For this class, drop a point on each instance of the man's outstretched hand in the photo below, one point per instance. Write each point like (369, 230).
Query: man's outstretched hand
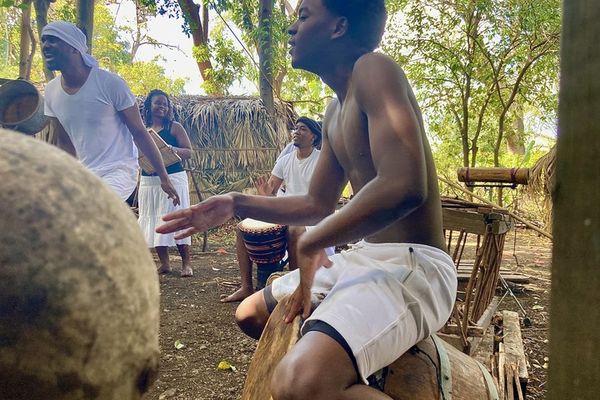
(200, 217)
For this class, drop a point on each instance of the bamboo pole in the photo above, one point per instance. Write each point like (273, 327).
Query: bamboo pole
(515, 216)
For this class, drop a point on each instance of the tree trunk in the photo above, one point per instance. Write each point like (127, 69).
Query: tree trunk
(265, 55)
(199, 31)
(85, 20)
(41, 18)
(25, 53)
(575, 295)
(516, 134)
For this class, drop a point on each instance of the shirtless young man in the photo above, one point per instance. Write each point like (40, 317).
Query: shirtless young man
(398, 285)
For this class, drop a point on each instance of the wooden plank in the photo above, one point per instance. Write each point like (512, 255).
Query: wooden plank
(485, 351)
(513, 344)
(463, 275)
(518, 390)
(484, 322)
(510, 379)
(458, 220)
(501, 379)
(472, 331)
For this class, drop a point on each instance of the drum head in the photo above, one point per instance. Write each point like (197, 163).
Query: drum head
(254, 225)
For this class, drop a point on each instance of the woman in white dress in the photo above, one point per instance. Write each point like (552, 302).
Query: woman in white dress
(153, 203)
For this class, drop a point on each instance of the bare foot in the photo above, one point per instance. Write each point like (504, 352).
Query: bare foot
(187, 272)
(163, 270)
(238, 295)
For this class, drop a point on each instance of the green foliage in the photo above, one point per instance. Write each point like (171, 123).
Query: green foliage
(63, 10)
(13, 3)
(107, 45)
(471, 62)
(145, 76)
(233, 62)
(9, 42)
(109, 48)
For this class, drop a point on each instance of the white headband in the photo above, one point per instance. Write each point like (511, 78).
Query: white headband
(73, 36)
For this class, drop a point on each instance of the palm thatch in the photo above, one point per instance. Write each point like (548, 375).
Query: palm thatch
(233, 138)
(542, 181)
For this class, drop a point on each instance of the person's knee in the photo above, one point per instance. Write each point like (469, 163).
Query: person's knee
(293, 378)
(251, 317)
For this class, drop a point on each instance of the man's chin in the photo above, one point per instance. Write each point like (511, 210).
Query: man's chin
(299, 64)
(51, 66)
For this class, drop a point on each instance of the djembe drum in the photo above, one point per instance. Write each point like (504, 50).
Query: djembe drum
(266, 244)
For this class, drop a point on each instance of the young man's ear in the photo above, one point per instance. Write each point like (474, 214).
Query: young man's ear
(341, 27)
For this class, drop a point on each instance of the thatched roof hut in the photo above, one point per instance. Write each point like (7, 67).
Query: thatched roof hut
(542, 182)
(233, 138)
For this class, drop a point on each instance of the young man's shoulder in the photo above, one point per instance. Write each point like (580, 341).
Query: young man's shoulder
(374, 63)
(376, 74)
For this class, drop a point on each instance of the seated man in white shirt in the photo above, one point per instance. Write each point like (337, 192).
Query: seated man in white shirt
(293, 170)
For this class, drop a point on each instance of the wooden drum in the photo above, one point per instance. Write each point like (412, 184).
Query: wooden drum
(265, 242)
(433, 367)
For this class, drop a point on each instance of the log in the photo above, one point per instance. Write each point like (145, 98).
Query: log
(513, 346)
(498, 175)
(412, 376)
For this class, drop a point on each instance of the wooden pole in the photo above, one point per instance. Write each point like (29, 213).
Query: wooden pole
(575, 294)
(515, 216)
(199, 193)
(500, 175)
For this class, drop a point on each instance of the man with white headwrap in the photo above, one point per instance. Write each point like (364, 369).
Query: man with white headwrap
(95, 114)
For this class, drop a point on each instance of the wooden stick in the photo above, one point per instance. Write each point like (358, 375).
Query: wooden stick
(519, 391)
(515, 216)
(204, 234)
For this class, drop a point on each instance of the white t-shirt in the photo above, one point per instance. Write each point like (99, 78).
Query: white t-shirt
(296, 173)
(90, 117)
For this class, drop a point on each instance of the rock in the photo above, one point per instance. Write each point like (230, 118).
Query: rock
(79, 298)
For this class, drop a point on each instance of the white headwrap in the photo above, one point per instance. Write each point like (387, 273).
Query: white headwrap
(73, 36)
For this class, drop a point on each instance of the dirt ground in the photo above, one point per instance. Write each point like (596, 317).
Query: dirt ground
(197, 332)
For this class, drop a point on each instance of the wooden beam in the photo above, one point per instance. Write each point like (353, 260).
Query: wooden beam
(575, 293)
(513, 344)
(515, 216)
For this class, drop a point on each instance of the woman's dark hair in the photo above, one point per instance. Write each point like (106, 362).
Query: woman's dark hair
(148, 107)
(366, 19)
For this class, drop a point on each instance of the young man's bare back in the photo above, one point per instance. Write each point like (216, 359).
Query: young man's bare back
(396, 285)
